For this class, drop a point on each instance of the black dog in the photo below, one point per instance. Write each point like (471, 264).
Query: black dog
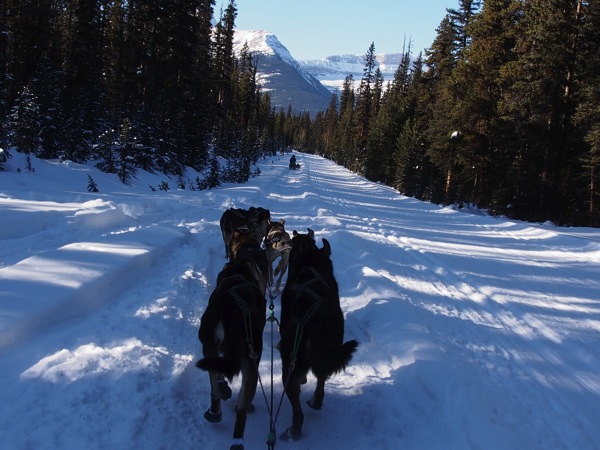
(253, 220)
(232, 326)
(312, 325)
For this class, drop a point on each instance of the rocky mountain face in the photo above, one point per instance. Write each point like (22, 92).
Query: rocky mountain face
(306, 85)
(281, 75)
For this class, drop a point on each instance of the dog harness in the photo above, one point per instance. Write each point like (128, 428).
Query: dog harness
(246, 311)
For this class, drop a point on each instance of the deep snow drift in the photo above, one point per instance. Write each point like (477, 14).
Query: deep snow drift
(475, 332)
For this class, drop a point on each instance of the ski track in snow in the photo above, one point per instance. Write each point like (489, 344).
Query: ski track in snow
(451, 354)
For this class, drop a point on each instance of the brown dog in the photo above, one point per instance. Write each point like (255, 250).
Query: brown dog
(278, 243)
(244, 246)
(254, 220)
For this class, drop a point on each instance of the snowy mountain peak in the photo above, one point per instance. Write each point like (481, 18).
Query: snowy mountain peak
(261, 42)
(280, 73)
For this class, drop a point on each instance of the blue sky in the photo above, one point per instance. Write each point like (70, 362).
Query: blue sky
(318, 28)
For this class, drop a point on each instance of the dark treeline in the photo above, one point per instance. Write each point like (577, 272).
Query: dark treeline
(503, 111)
(131, 84)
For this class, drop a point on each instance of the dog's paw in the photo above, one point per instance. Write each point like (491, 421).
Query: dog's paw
(213, 417)
(225, 390)
(249, 410)
(314, 405)
(289, 435)
(237, 444)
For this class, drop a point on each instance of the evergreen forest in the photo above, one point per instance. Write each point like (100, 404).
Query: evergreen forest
(502, 112)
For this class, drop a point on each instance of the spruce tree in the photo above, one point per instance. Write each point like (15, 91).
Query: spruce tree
(443, 121)
(3, 158)
(331, 120)
(83, 64)
(365, 106)
(223, 71)
(461, 18)
(199, 114)
(587, 116)
(91, 186)
(485, 156)
(344, 152)
(23, 126)
(540, 103)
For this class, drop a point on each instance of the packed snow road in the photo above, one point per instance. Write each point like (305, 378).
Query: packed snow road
(475, 332)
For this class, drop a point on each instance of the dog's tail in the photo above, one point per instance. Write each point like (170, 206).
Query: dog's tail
(219, 364)
(335, 360)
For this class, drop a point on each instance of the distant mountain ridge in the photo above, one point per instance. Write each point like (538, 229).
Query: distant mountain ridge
(332, 70)
(306, 85)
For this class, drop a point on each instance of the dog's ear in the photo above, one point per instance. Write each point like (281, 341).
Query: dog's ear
(281, 221)
(295, 233)
(311, 233)
(326, 247)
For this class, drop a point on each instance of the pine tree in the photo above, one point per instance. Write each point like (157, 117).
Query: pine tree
(47, 86)
(484, 158)
(213, 178)
(388, 123)
(587, 116)
(406, 98)
(344, 152)
(4, 156)
(199, 116)
(223, 57)
(4, 79)
(461, 19)
(330, 125)
(540, 103)
(117, 152)
(84, 37)
(23, 125)
(27, 25)
(443, 121)
(223, 71)
(365, 106)
(406, 160)
(118, 66)
(91, 186)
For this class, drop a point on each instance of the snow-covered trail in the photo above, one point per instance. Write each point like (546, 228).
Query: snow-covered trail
(475, 332)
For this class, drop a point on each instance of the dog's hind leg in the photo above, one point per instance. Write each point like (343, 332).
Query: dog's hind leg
(292, 391)
(316, 402)
(270, 262)
(244, 405)
(281, 269)
(214, 414)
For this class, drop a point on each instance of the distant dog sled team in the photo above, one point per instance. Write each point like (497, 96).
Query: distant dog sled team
(311, 327)
(293, 164)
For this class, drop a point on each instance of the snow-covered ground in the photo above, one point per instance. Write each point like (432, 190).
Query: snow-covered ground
(475, 332)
